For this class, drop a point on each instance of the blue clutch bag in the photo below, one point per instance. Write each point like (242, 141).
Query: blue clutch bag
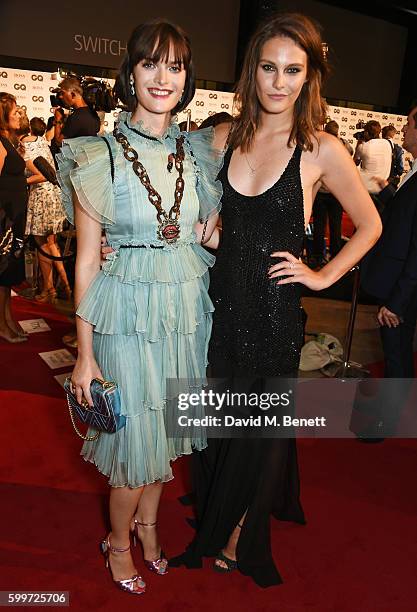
(105, 413)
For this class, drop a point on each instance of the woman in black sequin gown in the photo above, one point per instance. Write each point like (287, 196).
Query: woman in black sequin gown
(13, 203)
(257, 327)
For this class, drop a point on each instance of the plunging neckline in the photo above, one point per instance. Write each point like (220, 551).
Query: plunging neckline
(263, 193)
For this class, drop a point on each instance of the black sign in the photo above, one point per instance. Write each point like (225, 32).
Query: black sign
(95, 33)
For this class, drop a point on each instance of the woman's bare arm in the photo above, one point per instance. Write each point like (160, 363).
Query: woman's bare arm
(3, 155)
(339, 174)
(87, 266)
(36, 176)
(343, 181)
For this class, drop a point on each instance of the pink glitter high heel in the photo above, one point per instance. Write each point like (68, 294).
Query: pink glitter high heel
(160, 565)
(128, 584)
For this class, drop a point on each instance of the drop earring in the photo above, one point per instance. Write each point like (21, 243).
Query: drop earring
(132, 86)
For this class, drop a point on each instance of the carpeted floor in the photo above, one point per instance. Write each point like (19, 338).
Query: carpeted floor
(357, 552)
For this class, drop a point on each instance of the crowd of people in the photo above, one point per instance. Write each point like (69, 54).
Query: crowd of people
(148, 307)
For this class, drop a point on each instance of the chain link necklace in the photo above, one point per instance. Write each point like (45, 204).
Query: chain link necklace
(169, 227)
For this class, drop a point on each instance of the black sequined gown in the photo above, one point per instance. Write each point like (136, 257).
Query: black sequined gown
(257, 332)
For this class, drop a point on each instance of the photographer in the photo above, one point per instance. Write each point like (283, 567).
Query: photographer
(374, 156)
(83, 121)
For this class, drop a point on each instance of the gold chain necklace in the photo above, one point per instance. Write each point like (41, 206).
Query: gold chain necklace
(169, 227)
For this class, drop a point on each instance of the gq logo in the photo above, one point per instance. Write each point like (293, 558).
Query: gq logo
(199, 103)
(224, 106)
(37, 77)
(3, 74)
(21, 86)
(37, 98)
(213, 95)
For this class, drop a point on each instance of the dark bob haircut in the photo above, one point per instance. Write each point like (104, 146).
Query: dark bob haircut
(154, 40)
(37, 126)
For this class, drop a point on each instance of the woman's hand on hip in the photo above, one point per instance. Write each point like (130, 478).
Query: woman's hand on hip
(295, 271)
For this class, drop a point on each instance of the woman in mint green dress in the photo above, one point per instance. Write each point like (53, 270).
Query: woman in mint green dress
(145, 317)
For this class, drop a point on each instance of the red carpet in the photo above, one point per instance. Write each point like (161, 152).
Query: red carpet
(357, 552)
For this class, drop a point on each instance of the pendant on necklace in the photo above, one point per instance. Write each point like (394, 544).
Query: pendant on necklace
(169, 231)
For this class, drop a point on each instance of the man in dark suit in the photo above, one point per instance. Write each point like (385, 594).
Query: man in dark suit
(389, 273)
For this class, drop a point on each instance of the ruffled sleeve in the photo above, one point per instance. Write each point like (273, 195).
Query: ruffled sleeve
(84, 166)
(207, 163)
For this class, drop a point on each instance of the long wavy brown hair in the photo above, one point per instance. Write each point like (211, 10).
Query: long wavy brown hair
(7, 102)
(310, 107)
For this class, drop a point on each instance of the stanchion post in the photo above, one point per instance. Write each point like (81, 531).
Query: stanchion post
(347, 369)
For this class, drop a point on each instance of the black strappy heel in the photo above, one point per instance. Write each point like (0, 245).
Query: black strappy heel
(231, 564)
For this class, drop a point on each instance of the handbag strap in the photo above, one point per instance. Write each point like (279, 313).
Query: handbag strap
(77, 431)
(111, 158)
(204, 232)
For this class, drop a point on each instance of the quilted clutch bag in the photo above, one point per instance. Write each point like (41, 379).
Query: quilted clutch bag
(104, 415)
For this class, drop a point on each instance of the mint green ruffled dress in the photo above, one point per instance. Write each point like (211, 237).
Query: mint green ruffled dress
(149, 307)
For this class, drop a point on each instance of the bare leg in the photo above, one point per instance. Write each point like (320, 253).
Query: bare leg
(229, 550)
(9, 328)
(5, 331)
(123, 503)
(45, 264)
(147, 512)
(59, 266)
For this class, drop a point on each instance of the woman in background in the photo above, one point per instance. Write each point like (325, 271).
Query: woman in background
(13, 203)
(45, 214)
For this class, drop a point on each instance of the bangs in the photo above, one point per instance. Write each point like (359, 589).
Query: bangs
(156, 41)
(162, 42)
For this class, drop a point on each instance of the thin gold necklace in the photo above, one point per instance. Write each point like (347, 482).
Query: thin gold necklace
(253, 170)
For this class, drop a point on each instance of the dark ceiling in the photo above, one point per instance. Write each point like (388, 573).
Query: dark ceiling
(399, 12)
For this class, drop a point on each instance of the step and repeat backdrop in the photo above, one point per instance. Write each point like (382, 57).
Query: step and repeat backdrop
(33, 89)
(349, 118)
